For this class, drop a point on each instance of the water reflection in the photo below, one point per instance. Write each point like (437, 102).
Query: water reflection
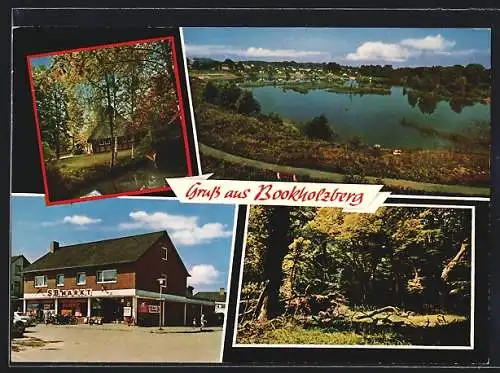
(142, 179)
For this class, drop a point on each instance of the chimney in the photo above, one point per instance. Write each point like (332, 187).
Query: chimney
(189, 291)
(222, 291)
(54, 246)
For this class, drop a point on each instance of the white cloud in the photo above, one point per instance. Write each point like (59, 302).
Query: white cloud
(79, 220)
(428, 43)
(159, 220)
(287, 53)
(377, 50)
(182, 229)
(401, 51)
(202, 274)
(208, 50)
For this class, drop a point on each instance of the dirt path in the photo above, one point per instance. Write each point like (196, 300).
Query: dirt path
(338, 178)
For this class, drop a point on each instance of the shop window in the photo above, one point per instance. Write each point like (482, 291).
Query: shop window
(41, 281)
(81, 278)
(165, 253)
(60, 279)
(108, 275)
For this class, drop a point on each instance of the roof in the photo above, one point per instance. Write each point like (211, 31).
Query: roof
(102, 131)
(16, 257)
(112, 251)
(211, 295)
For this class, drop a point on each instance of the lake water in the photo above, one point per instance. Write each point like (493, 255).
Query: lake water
(148, 178)
(375, 118)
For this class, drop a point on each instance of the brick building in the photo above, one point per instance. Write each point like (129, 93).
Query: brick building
(115, 279)
(17, 265)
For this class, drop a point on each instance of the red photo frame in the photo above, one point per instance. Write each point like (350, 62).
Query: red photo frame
(182, 112)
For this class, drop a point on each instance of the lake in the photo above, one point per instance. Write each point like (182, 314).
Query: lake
(148, 178)
(375, 118)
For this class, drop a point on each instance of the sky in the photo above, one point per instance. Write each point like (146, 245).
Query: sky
(409, 47)
(40, 61)
(202, 233)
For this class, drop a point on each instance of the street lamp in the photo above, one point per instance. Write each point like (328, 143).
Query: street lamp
(161, 282)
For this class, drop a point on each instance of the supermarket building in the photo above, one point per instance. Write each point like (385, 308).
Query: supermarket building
(117, 280)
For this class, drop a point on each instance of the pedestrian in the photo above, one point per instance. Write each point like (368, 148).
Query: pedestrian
(203, 322)
(194, 322)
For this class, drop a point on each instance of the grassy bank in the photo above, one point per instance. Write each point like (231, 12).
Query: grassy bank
(274, 143)
(228, 166)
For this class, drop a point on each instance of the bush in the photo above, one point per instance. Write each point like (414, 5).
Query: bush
(318, 128)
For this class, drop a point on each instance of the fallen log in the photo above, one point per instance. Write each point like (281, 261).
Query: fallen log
(449, 267)
(377, 311)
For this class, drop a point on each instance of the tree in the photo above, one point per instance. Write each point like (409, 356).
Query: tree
(318, 128)
(247, 104)
(277, 243)
(211, 93)
(116, 79)
(52, 105)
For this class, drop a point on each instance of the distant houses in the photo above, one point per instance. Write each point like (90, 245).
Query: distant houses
(17, 264)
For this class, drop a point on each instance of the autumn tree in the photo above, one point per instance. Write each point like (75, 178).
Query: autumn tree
(52, 105)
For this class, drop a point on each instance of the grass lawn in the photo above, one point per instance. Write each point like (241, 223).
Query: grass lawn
(295, 334)
(81, 161)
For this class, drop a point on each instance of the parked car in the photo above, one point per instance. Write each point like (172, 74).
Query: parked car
(25, 319)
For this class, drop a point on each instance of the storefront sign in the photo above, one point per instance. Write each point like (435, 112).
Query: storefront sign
(127, 311)
(69, 292)
(148, 308)
(154, 308)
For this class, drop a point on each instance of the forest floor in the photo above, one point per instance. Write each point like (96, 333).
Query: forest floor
(339, 178)
(376, 330)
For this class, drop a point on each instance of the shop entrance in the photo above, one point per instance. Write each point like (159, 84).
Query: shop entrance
(112, 310)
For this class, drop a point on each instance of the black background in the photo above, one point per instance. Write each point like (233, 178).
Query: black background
(145, 21)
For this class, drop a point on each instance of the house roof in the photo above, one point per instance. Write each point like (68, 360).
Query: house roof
(102, 131)
(16, 257)
(112, 251)
(211, 295)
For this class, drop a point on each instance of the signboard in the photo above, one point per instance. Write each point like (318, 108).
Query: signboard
(127, 311)
(54, 293)
(148, 308)
(154, 308)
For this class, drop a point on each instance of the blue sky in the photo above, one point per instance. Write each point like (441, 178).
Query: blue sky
(38, 61)
(202, 233)
(350, 46)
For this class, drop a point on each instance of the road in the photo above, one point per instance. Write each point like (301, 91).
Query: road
(116, 343)
(338, 178)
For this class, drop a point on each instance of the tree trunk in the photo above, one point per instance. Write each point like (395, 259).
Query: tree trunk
(133, 146)
(452, 263)
(111, 113)
(115, 147)
(278, 241)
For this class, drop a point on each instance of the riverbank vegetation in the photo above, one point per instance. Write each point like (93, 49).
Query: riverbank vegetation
(321, 276)
(224, 123)
(105, 111)
(460, 85)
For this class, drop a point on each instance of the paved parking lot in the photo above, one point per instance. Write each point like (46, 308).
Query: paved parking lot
(116, 343)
